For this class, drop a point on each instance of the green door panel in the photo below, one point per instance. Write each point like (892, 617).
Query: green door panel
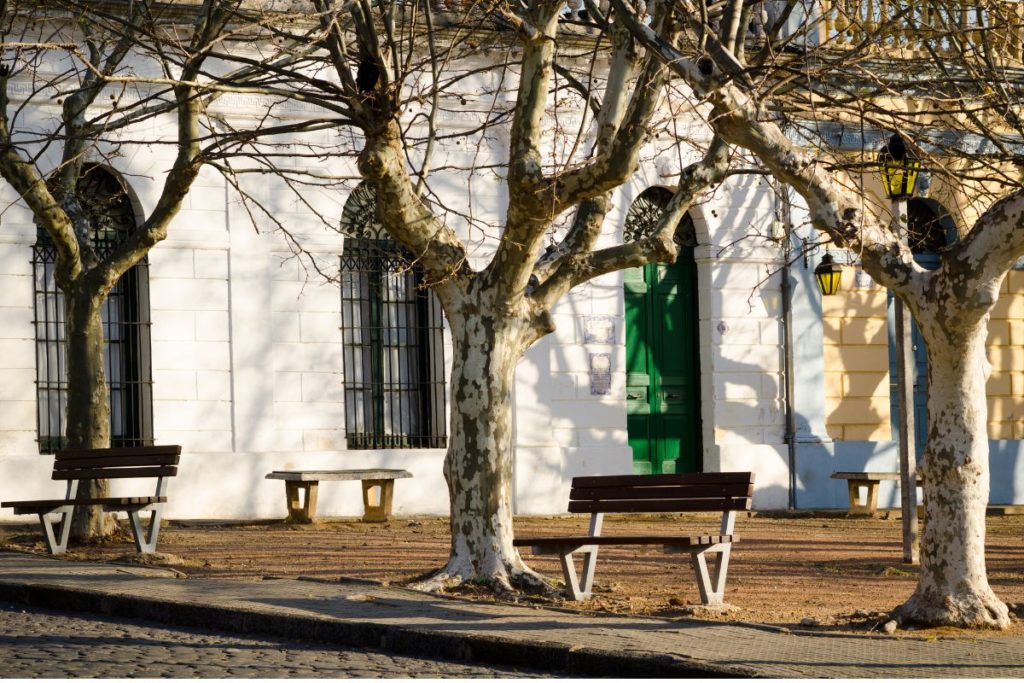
(662, 366)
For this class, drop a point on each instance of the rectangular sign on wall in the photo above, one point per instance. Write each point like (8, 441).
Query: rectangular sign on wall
(598, 329)
(600, 374)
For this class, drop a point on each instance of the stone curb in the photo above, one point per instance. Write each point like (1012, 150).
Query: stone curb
(479, 648)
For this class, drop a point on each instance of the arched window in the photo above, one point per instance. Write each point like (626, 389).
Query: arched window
(644, 213)
(930, 228)
(126, 324)
(392, 337)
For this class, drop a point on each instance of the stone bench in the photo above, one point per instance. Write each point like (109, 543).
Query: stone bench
(378, 491)
(855, 481)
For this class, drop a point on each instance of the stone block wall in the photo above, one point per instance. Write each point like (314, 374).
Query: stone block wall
(856, 357)
(17, 331)
(1006, 353)
(307, 360)
(856, 354)
(191, 347)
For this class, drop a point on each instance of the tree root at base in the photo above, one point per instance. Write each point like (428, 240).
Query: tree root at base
(969, 611)
(509, 582)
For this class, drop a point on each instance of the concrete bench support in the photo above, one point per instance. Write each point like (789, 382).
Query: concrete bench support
(301, 491)
(855, 481)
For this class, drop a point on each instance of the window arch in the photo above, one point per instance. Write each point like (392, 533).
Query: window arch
(930, 228)
(645, 211)
(392, 338)
(126, 324)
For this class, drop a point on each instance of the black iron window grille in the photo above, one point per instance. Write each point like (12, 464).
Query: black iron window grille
(645, 212)
(126, 328)
(393, 340)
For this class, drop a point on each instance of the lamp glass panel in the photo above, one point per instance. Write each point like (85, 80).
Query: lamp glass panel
(828, 281)
(900, 179)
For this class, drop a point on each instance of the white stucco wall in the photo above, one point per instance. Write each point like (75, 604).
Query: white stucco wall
(246, 341)
(247, 373)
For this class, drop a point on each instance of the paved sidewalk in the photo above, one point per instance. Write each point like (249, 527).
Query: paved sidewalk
(36, 642)
(406, 622)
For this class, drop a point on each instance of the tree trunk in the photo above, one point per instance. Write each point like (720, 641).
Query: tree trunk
(478, 464)
(953, 587)
(88, 407)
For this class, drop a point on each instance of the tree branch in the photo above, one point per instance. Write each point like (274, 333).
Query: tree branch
(576, 267)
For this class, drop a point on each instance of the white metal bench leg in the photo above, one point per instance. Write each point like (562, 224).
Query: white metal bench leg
(590, 554)
(57, 534)
(711, 583)
(572, 585)
(721, 570)
(587, 575)
(581, 590)
(145, 540)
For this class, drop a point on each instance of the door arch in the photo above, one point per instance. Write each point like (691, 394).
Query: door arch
(930, 229)
(663, 414)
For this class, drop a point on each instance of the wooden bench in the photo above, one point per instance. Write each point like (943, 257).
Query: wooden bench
(378, 491)
(74, 466)
(855, 481)
(726, 492)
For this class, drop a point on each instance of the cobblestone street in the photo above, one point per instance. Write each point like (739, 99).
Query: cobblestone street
(39, 643)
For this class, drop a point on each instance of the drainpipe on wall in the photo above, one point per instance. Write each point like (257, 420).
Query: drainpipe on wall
(782, 195)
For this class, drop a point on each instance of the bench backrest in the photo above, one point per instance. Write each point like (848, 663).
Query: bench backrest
(117, 463)
(721, 491)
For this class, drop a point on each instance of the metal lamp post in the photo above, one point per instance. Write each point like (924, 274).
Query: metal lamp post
(899, 171)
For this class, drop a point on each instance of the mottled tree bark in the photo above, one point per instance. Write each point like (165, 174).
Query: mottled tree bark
(951, 306)
(495, 314)
(488, 344)
(88, 409)
(953, 585)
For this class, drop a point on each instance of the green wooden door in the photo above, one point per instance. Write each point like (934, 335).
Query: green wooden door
(663, 366)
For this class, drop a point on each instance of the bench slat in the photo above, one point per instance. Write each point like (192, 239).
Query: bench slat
(116, 473)
(135, 500)
(734, 490)
(122, 461)
(73, 454)
(614, 481)
(338, 475)
(661, 505)
(559, 541)
(867, 476)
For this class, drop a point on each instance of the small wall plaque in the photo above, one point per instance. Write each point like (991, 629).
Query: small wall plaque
(600, 374)
(598, 329)
(862, 280)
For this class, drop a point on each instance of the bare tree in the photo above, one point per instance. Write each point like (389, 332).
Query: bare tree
(112, 69)
(576, 103)
(943, 73)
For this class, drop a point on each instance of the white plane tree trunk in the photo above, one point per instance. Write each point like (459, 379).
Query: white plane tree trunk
(953, 585)
(488, 344)
(951, 306)
(497, 311)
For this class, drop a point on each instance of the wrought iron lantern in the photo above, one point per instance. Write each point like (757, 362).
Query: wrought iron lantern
(899, 168)
(828, 274)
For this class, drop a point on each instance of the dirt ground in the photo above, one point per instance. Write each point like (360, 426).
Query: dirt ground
(819, 572)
